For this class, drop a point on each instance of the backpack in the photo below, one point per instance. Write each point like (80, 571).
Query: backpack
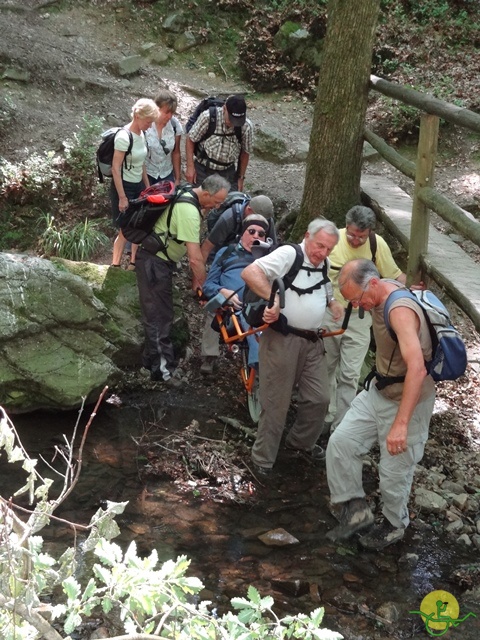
(449, 356)
(235, 200)
(254, 305)
(211, 103)
(106, 149)
(139, 219)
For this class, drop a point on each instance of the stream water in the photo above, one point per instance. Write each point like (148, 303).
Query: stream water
(360, 590)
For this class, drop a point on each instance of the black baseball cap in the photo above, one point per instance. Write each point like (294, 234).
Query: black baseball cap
(237, 110)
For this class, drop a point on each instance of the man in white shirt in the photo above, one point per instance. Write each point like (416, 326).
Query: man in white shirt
(291, 350)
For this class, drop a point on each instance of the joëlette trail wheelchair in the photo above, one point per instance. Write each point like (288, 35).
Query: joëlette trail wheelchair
(234, 333)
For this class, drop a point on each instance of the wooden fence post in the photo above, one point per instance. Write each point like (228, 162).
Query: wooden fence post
(426, 153)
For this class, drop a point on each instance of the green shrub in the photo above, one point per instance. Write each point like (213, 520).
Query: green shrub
(80, 165)
(79, 243)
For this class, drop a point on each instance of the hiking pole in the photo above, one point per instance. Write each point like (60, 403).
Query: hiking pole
(343, 328)
(240, 333)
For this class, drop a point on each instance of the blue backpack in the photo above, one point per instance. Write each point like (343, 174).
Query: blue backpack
(449, 356)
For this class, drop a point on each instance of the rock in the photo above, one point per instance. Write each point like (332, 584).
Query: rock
(184, 42)
(429, 501)
(175, 22)
(146, 48)
(455, 237)
(436, 479)
(19, 75)
(159, 56)
(476, 540)
(301, 152)
(460, 501)
(295, 588)
(369, 152)
(343, 598)
(454, 527)
(409, 559)
(269, 145)
(453, 514)
(464, 539)
(278, 538)
(101, 632)
(60, 341)
(129, 65)
(452, 487)
(389, 611)
(477, 524)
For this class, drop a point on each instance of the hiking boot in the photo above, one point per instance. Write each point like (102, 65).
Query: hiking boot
(382, 535)
(208, 365)
(317, 454)
(174, 383)
(261, 472)
(355, 516)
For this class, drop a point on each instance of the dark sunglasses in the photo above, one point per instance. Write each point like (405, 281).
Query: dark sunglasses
(166, 150)
(260, 234)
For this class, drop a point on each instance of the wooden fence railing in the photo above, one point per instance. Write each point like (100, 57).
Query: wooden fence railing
(425, 197)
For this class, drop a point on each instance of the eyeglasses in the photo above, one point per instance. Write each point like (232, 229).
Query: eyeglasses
(166, 150)
(359, 300)
(259, 232)
(360, 239)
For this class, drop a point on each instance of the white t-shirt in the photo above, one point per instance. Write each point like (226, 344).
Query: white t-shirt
(136, 159)
(159, 158)
(302, 311)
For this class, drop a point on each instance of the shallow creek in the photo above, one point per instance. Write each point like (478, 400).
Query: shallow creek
(360, 590)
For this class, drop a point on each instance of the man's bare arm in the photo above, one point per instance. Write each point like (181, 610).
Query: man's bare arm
(197, 264)
(405, 323)
(206, 247)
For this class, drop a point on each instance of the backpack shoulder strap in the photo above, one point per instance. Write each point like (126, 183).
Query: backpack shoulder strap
(212, 123)
(226, 254)
(396, 295)
(292, 273)
(238, 209)
(372, 238)
(238, 134)
(180, 196)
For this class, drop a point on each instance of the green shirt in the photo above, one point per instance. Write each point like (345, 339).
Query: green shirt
(184, 227)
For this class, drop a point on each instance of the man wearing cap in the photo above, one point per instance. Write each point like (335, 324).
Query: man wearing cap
(225, 278)
(229, 225)
(227, 150)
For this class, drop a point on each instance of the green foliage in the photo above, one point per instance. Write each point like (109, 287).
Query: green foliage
(47, 179)
(18, 227)
(80, 163)
(78, 243)
(145, 596)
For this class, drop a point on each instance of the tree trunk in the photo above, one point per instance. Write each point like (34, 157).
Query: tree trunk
(332, 182)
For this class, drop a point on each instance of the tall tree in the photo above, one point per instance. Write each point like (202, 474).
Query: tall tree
(332, 182)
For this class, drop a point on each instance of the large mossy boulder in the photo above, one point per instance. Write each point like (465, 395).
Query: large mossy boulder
(65, 329)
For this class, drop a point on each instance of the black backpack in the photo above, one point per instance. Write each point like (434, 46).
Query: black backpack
(106, 149)
(235, 200)
(139, 219)
(254, 305)
(211, 103)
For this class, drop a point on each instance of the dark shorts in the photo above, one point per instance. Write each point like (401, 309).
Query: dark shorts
(170, 177)
(132, 191)
(229, 174)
